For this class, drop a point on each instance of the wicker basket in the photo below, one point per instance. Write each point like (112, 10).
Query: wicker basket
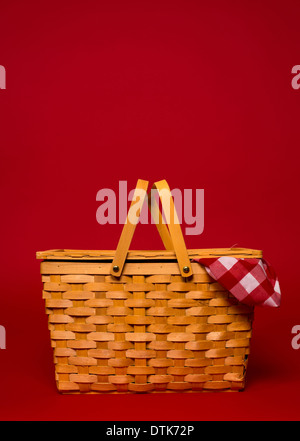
(150, 321)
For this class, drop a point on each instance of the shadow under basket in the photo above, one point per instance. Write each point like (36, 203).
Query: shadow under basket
(148, 330)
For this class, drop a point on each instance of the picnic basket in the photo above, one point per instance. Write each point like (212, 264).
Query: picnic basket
(144, 321)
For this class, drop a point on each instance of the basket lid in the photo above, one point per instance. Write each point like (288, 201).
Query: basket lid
(108, 255)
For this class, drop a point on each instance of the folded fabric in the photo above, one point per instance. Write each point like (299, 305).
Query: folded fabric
(251, 281)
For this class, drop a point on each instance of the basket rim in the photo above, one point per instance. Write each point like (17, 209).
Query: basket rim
(71, 254)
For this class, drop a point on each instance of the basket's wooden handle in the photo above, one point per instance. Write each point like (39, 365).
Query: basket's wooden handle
(128, 229)
(172, 238)
(159, 222)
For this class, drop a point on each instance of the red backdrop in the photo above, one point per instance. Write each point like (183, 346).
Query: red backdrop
(198, 93)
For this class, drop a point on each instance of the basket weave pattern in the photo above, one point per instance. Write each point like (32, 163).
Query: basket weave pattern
(150, 330)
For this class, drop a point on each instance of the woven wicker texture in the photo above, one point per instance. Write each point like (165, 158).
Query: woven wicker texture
(150, 330)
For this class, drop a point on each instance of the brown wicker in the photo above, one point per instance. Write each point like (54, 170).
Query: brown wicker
(149, 329)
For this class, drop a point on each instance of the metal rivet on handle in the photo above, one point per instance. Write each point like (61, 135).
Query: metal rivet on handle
(186, 269)
(116, 268)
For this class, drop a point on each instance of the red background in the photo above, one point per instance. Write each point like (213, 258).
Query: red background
(198, 93)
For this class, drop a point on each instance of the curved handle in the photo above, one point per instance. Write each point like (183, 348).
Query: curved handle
(172, 237)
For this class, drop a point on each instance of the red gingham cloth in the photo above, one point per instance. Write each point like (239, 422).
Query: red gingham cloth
(251, 281)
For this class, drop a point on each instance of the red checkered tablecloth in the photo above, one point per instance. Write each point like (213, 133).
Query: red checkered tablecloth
(251, 281)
